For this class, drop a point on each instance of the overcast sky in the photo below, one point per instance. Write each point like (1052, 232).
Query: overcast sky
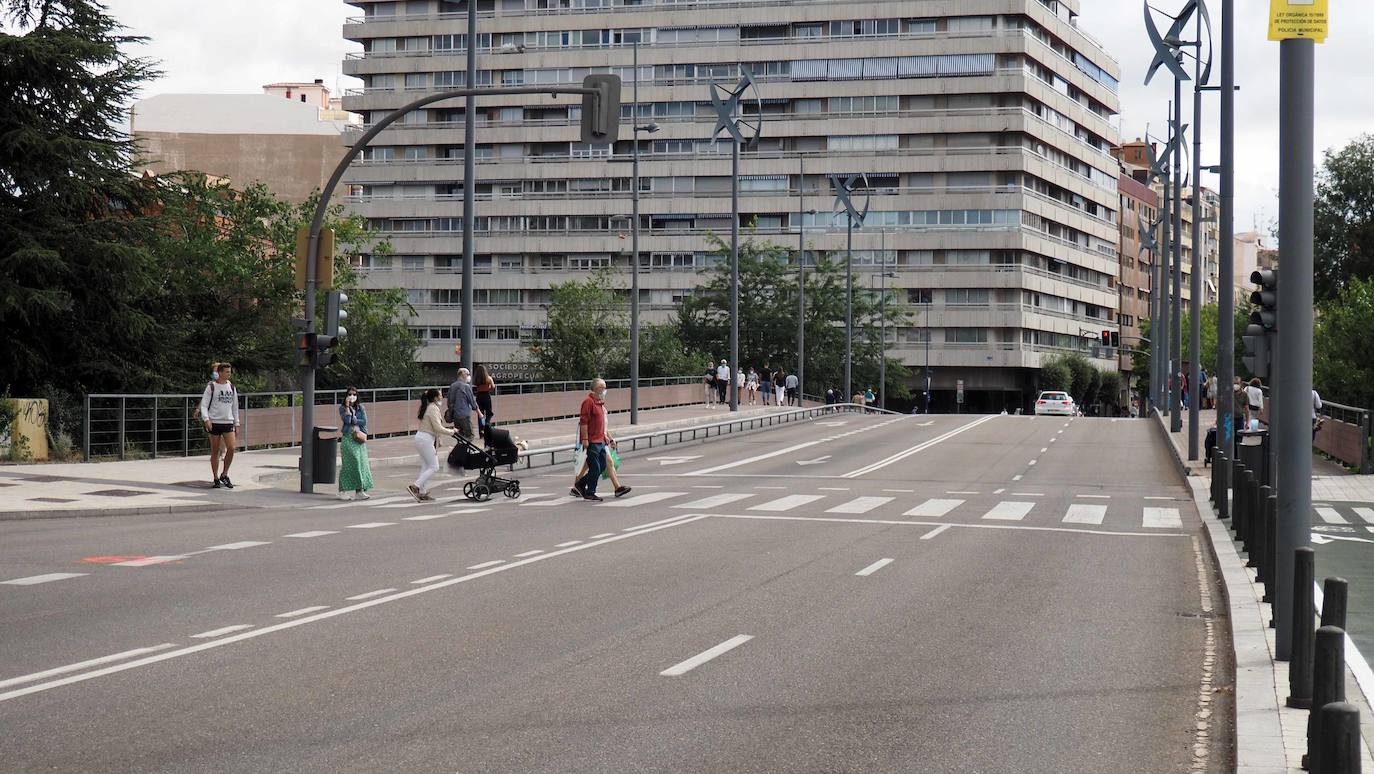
(236, 47)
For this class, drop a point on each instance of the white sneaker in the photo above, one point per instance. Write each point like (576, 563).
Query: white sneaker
(364, 496)
(345, 496)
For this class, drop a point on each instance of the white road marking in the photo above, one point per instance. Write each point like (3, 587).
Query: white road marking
(62, 670)
(756, 458)
(652, 524)
(524, 554)
(369, 595)
(787, 503)
(684, 667)
(1052, 440)
(1085, 514)
(1032, 462)
(1331, 516)
(1009, 510)
(371, 525)
(431, 579)
(315, 533)
(149, 561)
(707, 486)
(428, 516)
(638, 500)
(239, 545)
(485, 565)
(302, 611)
(899, 456)
(998, 491)
(931, 534)
(832, 489)
(411, 504)
(352, 503)
(1100, 497)
(1007, 527)
(596, 537)
(1366, 513)
(714, 501)
(569, 543)
(902, 491)
(962, 493)
(775, 487)
(34, 580)
(221, 632)
(861, 505)
(872, 568)
(1045, 449)
(1147, 498)
(1017, 477)
(1028, 494)
(321, 616)
(934, 508)
(1162, 518)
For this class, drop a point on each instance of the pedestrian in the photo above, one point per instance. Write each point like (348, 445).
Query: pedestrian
(1212, 391)
(709, 381)
(830, 398)
(462, 404)
(870, 396)
(722, 381)
(1240, 405)
(751, 385)
(426, 441)
(1317, 419)
(1183, 389)
(740, 380)
(1254, 398)
(483, 388)
(793, 389)
(355, 473)
(611, 473)
(780, 386)
(594, 437)
(766, 380)
(219, 407)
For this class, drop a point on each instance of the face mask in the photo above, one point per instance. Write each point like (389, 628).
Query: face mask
(352, 398)
(214, 376)
(602, 394)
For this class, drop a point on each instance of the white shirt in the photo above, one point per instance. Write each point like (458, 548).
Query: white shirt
(220, 404)
(1316, 404)
(1254, 396)
(791, 381)
(723, 372)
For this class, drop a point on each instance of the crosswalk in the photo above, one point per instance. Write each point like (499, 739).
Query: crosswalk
(1100, 511)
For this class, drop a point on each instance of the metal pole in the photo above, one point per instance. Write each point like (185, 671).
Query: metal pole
(927, 363)
(733, 386)
(801, 279)
(634, 259)
(849, 311)
(1162, 338)
(1176, 311)
(469, 184)
(1199, 258)
(1290, 411)
(882, 323)
(1226, 306)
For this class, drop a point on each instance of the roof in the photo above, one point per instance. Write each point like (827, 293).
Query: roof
(230, 114)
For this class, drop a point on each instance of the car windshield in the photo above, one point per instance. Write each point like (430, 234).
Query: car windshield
(1053, 396)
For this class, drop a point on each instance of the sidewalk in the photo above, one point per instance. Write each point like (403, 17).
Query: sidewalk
(1270, 736)
(181, 484)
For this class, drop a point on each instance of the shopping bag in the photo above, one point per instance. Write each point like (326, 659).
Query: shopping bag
(579, 459)
(612, 458)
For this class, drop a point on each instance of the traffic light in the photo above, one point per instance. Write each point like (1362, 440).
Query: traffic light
(1116, 339)
(1256, 356)
(1106, 338)
(334, 316)
(305, 350)
(1266, 299)
(601, 109)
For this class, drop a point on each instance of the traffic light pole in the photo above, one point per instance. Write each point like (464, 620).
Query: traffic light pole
(317, 225)
(1176, 311)
(1199, 259)
(1226, 309)
(1291, 410)
(1163, 339)
(466, 319)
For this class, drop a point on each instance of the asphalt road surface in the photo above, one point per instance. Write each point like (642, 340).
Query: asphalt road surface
(858, 593)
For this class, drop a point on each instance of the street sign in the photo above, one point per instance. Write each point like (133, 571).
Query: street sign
(959, 390)
(324, 269)
(1298, 19)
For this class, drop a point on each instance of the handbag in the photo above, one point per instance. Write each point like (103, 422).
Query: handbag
(359, 436)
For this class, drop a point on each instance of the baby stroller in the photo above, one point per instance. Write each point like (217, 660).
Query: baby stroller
(501, 450)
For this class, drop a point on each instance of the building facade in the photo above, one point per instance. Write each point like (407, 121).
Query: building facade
(1136, 284)
(983, 127)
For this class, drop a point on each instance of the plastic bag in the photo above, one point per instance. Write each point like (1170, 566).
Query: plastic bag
(579, 459)
(612, 458)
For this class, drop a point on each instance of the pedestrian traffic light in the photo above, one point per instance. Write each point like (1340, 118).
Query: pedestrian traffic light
(601, 109)
(1116, 339)
(1106, 338)
(305, 350)
(1256, 356)
(1266, 299)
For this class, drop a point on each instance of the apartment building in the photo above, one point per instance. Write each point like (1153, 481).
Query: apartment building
(983, 127)
(1135, 286)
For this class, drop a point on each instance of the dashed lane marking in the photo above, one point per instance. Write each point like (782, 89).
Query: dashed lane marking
(931, 534)
(314, 533)
(34, 580)
(485, 565)
(150, 561)
(684, 667)
(534, 552)
(221, 632)
(431, 579)
(368, 595)
(569, 543)
(302, 611)
(62, 670)
(371, 525)
(872, 568)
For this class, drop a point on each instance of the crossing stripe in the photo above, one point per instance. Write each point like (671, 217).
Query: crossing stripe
(1331, 516)
(34, 580)
(861, 505)
(313, 533)
(714, 501)
(632, 502)
(1162, 517)
(787, 503)
(1085, 514)
(1009, 510)
(934, 508)
(149, 561)
(1366, 513)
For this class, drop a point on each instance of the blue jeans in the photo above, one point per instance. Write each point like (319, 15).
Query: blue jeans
(596, 465)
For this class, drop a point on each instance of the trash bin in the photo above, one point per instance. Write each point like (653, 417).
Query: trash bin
(1252, 449)
(326, 453)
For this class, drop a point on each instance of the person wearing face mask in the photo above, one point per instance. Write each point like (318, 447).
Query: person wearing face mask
(355, 474)
(462, 404)
(592, 433)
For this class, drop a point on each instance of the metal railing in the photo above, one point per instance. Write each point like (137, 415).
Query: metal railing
(152, 425)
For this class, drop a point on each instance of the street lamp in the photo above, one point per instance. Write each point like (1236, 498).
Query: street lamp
(882, 321)
(845, 186)
(634, 248)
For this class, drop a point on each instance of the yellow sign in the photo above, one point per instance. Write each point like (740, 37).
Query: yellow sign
(324, 268)
(1298, 19)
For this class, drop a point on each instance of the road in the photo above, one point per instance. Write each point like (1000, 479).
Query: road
(860, 593)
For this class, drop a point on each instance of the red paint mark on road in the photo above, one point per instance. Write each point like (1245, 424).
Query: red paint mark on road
(110, 559)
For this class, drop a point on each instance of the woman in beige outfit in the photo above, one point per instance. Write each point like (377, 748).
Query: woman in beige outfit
(427, 442)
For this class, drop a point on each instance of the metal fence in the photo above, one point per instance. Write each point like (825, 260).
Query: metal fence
(138, 426)
(1345, 433)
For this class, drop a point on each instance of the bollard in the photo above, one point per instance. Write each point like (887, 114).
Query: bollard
(1251, 514)
(1242, 510)
(1237, 480)
(1261, 541)
(1334, 602)
(1328, 686)
(1271, 555)
(1216, 477)
(1340, 739)
(1222, 470)
(1300, 659)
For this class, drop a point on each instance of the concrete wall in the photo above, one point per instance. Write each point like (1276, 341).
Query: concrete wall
(292, 166)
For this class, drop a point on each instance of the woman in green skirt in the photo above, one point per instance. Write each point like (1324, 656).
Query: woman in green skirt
(355, 475)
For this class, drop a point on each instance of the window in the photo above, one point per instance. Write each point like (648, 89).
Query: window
(966, 335)
(510, 262)
(966, 297)
(919, 296)
(412, 263)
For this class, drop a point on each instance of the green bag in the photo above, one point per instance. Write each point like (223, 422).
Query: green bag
(614, 457)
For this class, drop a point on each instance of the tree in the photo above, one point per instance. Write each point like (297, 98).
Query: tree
(1055, 375)
(662, 353)
(379, 350)
(1208, 336)
(1344, 217)
(588, 331)
(1343, 367)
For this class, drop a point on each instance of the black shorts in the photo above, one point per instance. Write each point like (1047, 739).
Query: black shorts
(220, 428)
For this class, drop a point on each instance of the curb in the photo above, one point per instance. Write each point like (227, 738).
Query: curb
(147, 510)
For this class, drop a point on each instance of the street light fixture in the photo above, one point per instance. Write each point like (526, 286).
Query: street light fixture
(845, 186)
(634, 247)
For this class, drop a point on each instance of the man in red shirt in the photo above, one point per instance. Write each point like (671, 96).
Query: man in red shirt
(591, 431)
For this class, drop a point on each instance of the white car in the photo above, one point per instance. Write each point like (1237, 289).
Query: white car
(1055, 403)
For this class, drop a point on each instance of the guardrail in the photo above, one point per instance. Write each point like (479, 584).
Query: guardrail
(161, 425)
(1345, 433)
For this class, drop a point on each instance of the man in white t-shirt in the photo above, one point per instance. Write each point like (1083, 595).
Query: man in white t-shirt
(722, 379)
